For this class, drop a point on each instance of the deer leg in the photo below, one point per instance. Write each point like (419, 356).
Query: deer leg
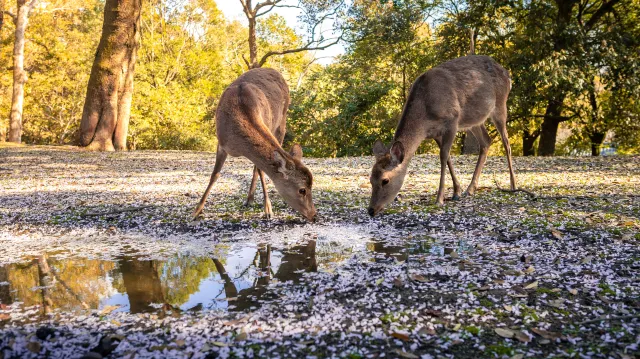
(445, 149)
(457, 189)
(221, 156)
(484, 141)
(267, 202)
(252, 188)
(500, 120)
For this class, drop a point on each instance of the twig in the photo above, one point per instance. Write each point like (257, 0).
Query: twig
(116, 211)
(531, 194)
(609, 318)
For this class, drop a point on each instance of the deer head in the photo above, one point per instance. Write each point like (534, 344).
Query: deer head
(294, 181)
(387, 175)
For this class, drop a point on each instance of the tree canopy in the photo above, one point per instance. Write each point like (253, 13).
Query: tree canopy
(574, 66)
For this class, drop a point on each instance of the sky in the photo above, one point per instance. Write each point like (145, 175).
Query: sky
(232, 10)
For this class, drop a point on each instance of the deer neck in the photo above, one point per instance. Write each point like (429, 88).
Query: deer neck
(411, 140)
(262, 157)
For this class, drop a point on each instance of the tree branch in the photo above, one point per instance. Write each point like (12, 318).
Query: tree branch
(11, 15)
(604, 9)
(307, 47)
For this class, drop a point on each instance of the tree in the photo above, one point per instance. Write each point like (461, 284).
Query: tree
(315, 14)
(20, 19)
(573, 19)
(107, 107)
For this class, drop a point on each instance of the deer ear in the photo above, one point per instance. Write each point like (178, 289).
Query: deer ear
(296, 152)
(379, 149)
(280, 163)
(397, 152)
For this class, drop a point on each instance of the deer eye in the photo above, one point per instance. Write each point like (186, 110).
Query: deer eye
(302, 191)
(385, 181)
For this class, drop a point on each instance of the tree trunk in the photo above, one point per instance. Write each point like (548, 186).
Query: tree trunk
(596, 142)
(528, 139)
(44, 277)
(107, 106)
(2, 2)
(253, 45)
(549, 129)
(19, 75)
(142, 283)
(470, 144)
(5, 290)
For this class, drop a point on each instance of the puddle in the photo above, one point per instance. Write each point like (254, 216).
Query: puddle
(234, 276)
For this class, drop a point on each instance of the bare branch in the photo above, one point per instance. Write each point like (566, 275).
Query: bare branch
(307, 47)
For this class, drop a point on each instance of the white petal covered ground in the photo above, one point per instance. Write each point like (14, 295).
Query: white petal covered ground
(501, 275)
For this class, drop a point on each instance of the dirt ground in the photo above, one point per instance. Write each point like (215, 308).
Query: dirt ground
(548, 273)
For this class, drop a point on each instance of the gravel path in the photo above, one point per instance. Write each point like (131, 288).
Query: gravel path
(499, 275)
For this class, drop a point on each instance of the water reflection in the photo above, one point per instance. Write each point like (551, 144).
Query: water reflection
(235, 278)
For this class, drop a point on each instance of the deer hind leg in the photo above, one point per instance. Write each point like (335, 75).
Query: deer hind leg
(500, 120)
(445, 150)
(252, 188)
(457, 189)
(221, 156)
(267, 202)
(484, 141)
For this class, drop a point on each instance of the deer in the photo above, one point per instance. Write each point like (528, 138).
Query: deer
(460, 94)
(251, 122)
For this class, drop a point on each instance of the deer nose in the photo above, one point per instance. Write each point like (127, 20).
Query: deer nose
(372, 212)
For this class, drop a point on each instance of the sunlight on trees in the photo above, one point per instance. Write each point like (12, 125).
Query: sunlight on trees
(574, 66)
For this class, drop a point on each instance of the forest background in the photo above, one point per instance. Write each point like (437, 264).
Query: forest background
(574, 65)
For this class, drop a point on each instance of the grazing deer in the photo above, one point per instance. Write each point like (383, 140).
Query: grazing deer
(456, 95)
(251, 122)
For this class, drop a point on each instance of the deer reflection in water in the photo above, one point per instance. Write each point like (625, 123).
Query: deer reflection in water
(295, 260)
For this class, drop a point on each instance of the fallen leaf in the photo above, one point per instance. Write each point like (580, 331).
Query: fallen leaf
(508, 308)
(505, 333)
(241, 337)
(518, 356)
(532, 285)
(556, 290)
(573, 291)
(400, 336)
(404, 354)
(557, 234)
(418, 278)
(546, 334)
(426, 331)
(180, 342)
(454, 255)
(219, 344)
(521, 336)
(586, 260)
(379, 281)
(108, 309)
(236, 321)
(34, 347)
(398, 282)
(530, 270)
(456, 327)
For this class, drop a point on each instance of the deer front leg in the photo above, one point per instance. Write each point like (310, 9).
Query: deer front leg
(267, 202)
(445, 149)
(252, 188)
(484, 141)
(457, 189)
(221, 157)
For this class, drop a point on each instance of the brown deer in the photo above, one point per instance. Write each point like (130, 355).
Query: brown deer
(251, 122)
(456, 95)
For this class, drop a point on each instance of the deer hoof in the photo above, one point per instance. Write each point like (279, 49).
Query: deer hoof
(456, 197)
(248, 203)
